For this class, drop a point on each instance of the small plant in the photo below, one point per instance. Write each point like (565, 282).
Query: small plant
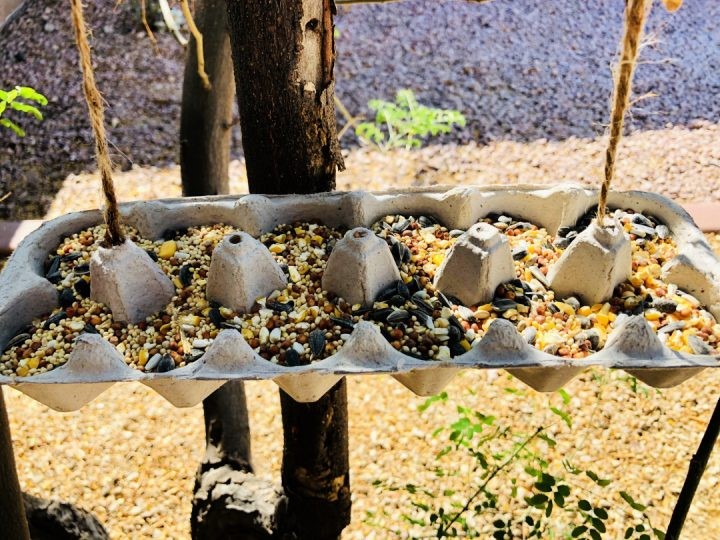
(12, 99)
(548, 502)
(405, 123)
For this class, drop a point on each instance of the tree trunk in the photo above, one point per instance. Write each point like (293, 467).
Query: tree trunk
(283, 52)
(316, 468)
(12, 512)
(283, 55)
(230, 501)
(56, 520)
(206, 116)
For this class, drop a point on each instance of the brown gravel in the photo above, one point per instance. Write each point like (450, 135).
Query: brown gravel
(681, 163)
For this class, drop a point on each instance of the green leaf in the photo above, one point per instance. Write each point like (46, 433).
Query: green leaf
(551, 442)
(569, 467)
(13, 126)
(499, 524)
(442, 396)
(538, 500)
(565, 416)
(644, 537)
(549, 509)
(559, 499)
(595, 535)
(598, 524)
(579, 530)
(564, 395)
(660, 535)
(599, 481)
(628, 499)
(33, 95)
(27, 109)
(600, 512)
(584, 505)
(563, 490)
(629, 532)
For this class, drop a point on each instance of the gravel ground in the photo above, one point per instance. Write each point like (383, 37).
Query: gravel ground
(520, 71)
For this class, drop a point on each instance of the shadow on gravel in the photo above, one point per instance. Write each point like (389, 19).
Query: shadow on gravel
(519, 71)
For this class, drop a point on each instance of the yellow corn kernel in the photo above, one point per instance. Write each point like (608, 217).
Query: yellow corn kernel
(247, 334)
(178, 284)
(584, 311)
(143, 357)
(596, 308)
(652, 315)
(438, 258)
(636, 281)
(602, 319)
(299, 231)
(318, 239)
(566, 308)
(605, 309)
(22, 371)
(277, 248)
(33, 362)
(294, 274)
(192, 320)
(612, 316)
(167, 249)
(465, 344)
(279, 239)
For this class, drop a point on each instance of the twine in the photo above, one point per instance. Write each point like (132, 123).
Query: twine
(635, 14)
(113, 230)
(198, 44)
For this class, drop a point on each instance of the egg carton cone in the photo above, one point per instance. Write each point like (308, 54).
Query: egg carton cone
(94, 364)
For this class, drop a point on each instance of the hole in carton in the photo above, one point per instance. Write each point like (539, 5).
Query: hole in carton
(235, 239)
(362, 233)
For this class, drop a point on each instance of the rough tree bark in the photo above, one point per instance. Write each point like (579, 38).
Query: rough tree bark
(230, 501)
(56, 520)
(12, 513)
(206, 116)
(283, 56)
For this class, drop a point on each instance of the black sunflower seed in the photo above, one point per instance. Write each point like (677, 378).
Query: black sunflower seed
(316, 339)
(82, 287)
(151, 253)
(165, 364)
(72, 256)
(279, 306)
(54, 319)
(90, 329)
(380, 315)
(398, 316)
(292, 358)
(423, 318)
(185, 275)
(17, 340)
(344, 323)
(66, 297)
(82, 270)
(216, 317)
(53, 272)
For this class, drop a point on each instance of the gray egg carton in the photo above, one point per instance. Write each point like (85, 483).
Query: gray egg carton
(95, 364)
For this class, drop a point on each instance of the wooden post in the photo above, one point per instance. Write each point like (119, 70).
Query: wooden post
(698, 463)
(206, 115)
(13, 523)
(283, 57)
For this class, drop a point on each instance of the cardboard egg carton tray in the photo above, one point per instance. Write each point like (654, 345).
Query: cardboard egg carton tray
(95, 364)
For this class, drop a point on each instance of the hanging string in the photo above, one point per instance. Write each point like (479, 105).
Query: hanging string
(635, 13)
(113, 230)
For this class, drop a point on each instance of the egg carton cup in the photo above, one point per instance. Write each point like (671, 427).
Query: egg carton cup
(94, 364)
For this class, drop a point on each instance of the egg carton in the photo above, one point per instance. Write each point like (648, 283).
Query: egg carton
(94, 364)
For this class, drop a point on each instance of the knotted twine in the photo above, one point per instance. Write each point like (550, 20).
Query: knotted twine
(635, 14)
(113, 229)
